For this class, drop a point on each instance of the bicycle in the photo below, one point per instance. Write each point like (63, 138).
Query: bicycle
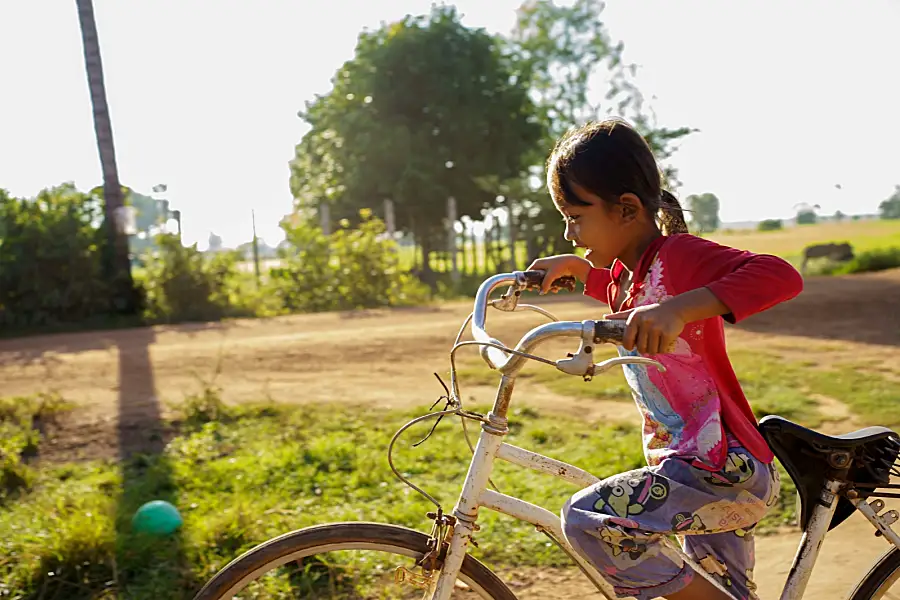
(834, 475)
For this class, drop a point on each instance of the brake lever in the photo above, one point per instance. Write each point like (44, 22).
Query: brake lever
(582, 362)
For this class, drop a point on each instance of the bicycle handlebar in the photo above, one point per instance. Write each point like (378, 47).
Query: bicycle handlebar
(602, 331)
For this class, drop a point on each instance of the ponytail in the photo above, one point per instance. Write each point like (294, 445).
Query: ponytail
(670, 214)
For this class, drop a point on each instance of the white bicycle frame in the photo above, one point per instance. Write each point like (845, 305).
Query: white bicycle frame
(491, 447)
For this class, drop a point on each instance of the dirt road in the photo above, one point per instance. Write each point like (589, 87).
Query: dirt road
(128, 380)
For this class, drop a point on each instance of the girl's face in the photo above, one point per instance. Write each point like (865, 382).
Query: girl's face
(603, 229)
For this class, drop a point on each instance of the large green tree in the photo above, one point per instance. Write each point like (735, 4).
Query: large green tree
(425, 108)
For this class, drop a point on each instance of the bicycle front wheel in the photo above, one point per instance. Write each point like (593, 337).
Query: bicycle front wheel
(343, 561)
(882, 580)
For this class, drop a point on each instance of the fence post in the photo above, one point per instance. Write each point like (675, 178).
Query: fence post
(513, 260)
(451, 238)
(255, 248)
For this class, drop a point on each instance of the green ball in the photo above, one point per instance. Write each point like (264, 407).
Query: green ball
(157, 517)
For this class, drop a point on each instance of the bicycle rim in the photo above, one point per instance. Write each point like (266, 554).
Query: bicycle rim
(247, 575)
(882, 582)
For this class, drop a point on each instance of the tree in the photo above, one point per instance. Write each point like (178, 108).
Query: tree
(839, 216)
(704, 212)
(215, 242)
(806, 213)
(425, 107)
(890, 208)
(563, 53)
(117, 263)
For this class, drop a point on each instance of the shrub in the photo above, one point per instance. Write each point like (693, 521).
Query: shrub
(51, 259)
(349, 269)
(770, 225)
(183, 284)
(881, 259)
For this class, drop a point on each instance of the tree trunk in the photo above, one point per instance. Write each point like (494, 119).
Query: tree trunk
(117, 264)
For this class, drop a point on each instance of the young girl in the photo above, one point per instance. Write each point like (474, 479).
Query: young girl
(710, 476)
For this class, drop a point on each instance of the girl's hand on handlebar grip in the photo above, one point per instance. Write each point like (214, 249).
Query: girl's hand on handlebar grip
(558, 266)
(651, 329)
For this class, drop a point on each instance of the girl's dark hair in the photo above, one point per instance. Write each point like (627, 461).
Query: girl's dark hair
(610, 158)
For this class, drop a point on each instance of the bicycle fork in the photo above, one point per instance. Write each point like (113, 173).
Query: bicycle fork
(466, 509)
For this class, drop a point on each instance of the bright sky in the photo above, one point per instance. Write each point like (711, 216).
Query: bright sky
(791, 98)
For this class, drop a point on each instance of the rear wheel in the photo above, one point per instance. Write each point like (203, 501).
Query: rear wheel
(344, 561)
(882, 580)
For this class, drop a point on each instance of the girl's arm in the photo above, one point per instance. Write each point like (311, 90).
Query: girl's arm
(744, 283)
(717, 280)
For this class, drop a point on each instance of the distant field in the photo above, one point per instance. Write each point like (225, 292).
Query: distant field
(787, 243)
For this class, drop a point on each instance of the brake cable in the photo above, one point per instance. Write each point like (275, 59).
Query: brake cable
(454, 406)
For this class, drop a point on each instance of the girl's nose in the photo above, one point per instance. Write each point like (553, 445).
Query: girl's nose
(570, 234)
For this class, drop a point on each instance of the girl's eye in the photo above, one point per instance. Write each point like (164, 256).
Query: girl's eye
(572, 218)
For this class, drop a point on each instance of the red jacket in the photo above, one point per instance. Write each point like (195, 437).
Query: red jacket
(746, 283)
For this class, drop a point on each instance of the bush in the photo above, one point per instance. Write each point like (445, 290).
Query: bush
(865, 262)
(349, 269)
(51, 262)
(183, 284)
(770, 225)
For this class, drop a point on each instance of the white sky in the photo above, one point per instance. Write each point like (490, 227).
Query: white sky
(791, 98)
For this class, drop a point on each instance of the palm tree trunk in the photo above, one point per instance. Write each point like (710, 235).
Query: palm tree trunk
(117, 263)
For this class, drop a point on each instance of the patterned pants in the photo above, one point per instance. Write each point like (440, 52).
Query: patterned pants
(618, 524)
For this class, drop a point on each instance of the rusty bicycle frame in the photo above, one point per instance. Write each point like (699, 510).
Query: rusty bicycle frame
(454, 531)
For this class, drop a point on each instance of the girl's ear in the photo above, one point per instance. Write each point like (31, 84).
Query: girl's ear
(630, 207)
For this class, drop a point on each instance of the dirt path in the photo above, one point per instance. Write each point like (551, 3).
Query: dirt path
(124, 382)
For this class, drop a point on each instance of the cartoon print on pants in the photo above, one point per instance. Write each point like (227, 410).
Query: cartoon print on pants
(621, 542)
(633, 494)
(738, 469)
(685, 521)
(714, 566)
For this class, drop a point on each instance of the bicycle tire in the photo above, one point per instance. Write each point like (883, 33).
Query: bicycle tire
(885, 571)
(291, 546)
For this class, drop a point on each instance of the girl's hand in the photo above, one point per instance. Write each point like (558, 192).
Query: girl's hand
(652, 329)
(560, 266)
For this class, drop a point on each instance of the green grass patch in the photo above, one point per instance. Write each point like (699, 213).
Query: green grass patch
(262, 472)
(20, 420)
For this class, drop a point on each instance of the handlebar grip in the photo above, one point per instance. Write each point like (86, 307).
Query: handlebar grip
(609, 332)
(534, 279)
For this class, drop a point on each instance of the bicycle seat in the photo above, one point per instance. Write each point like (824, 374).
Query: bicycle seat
(804, 454)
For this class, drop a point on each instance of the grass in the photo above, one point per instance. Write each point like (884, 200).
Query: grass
(20, 419)
(241, 475)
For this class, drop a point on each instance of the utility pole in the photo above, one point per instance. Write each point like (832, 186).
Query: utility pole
(255, 248)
